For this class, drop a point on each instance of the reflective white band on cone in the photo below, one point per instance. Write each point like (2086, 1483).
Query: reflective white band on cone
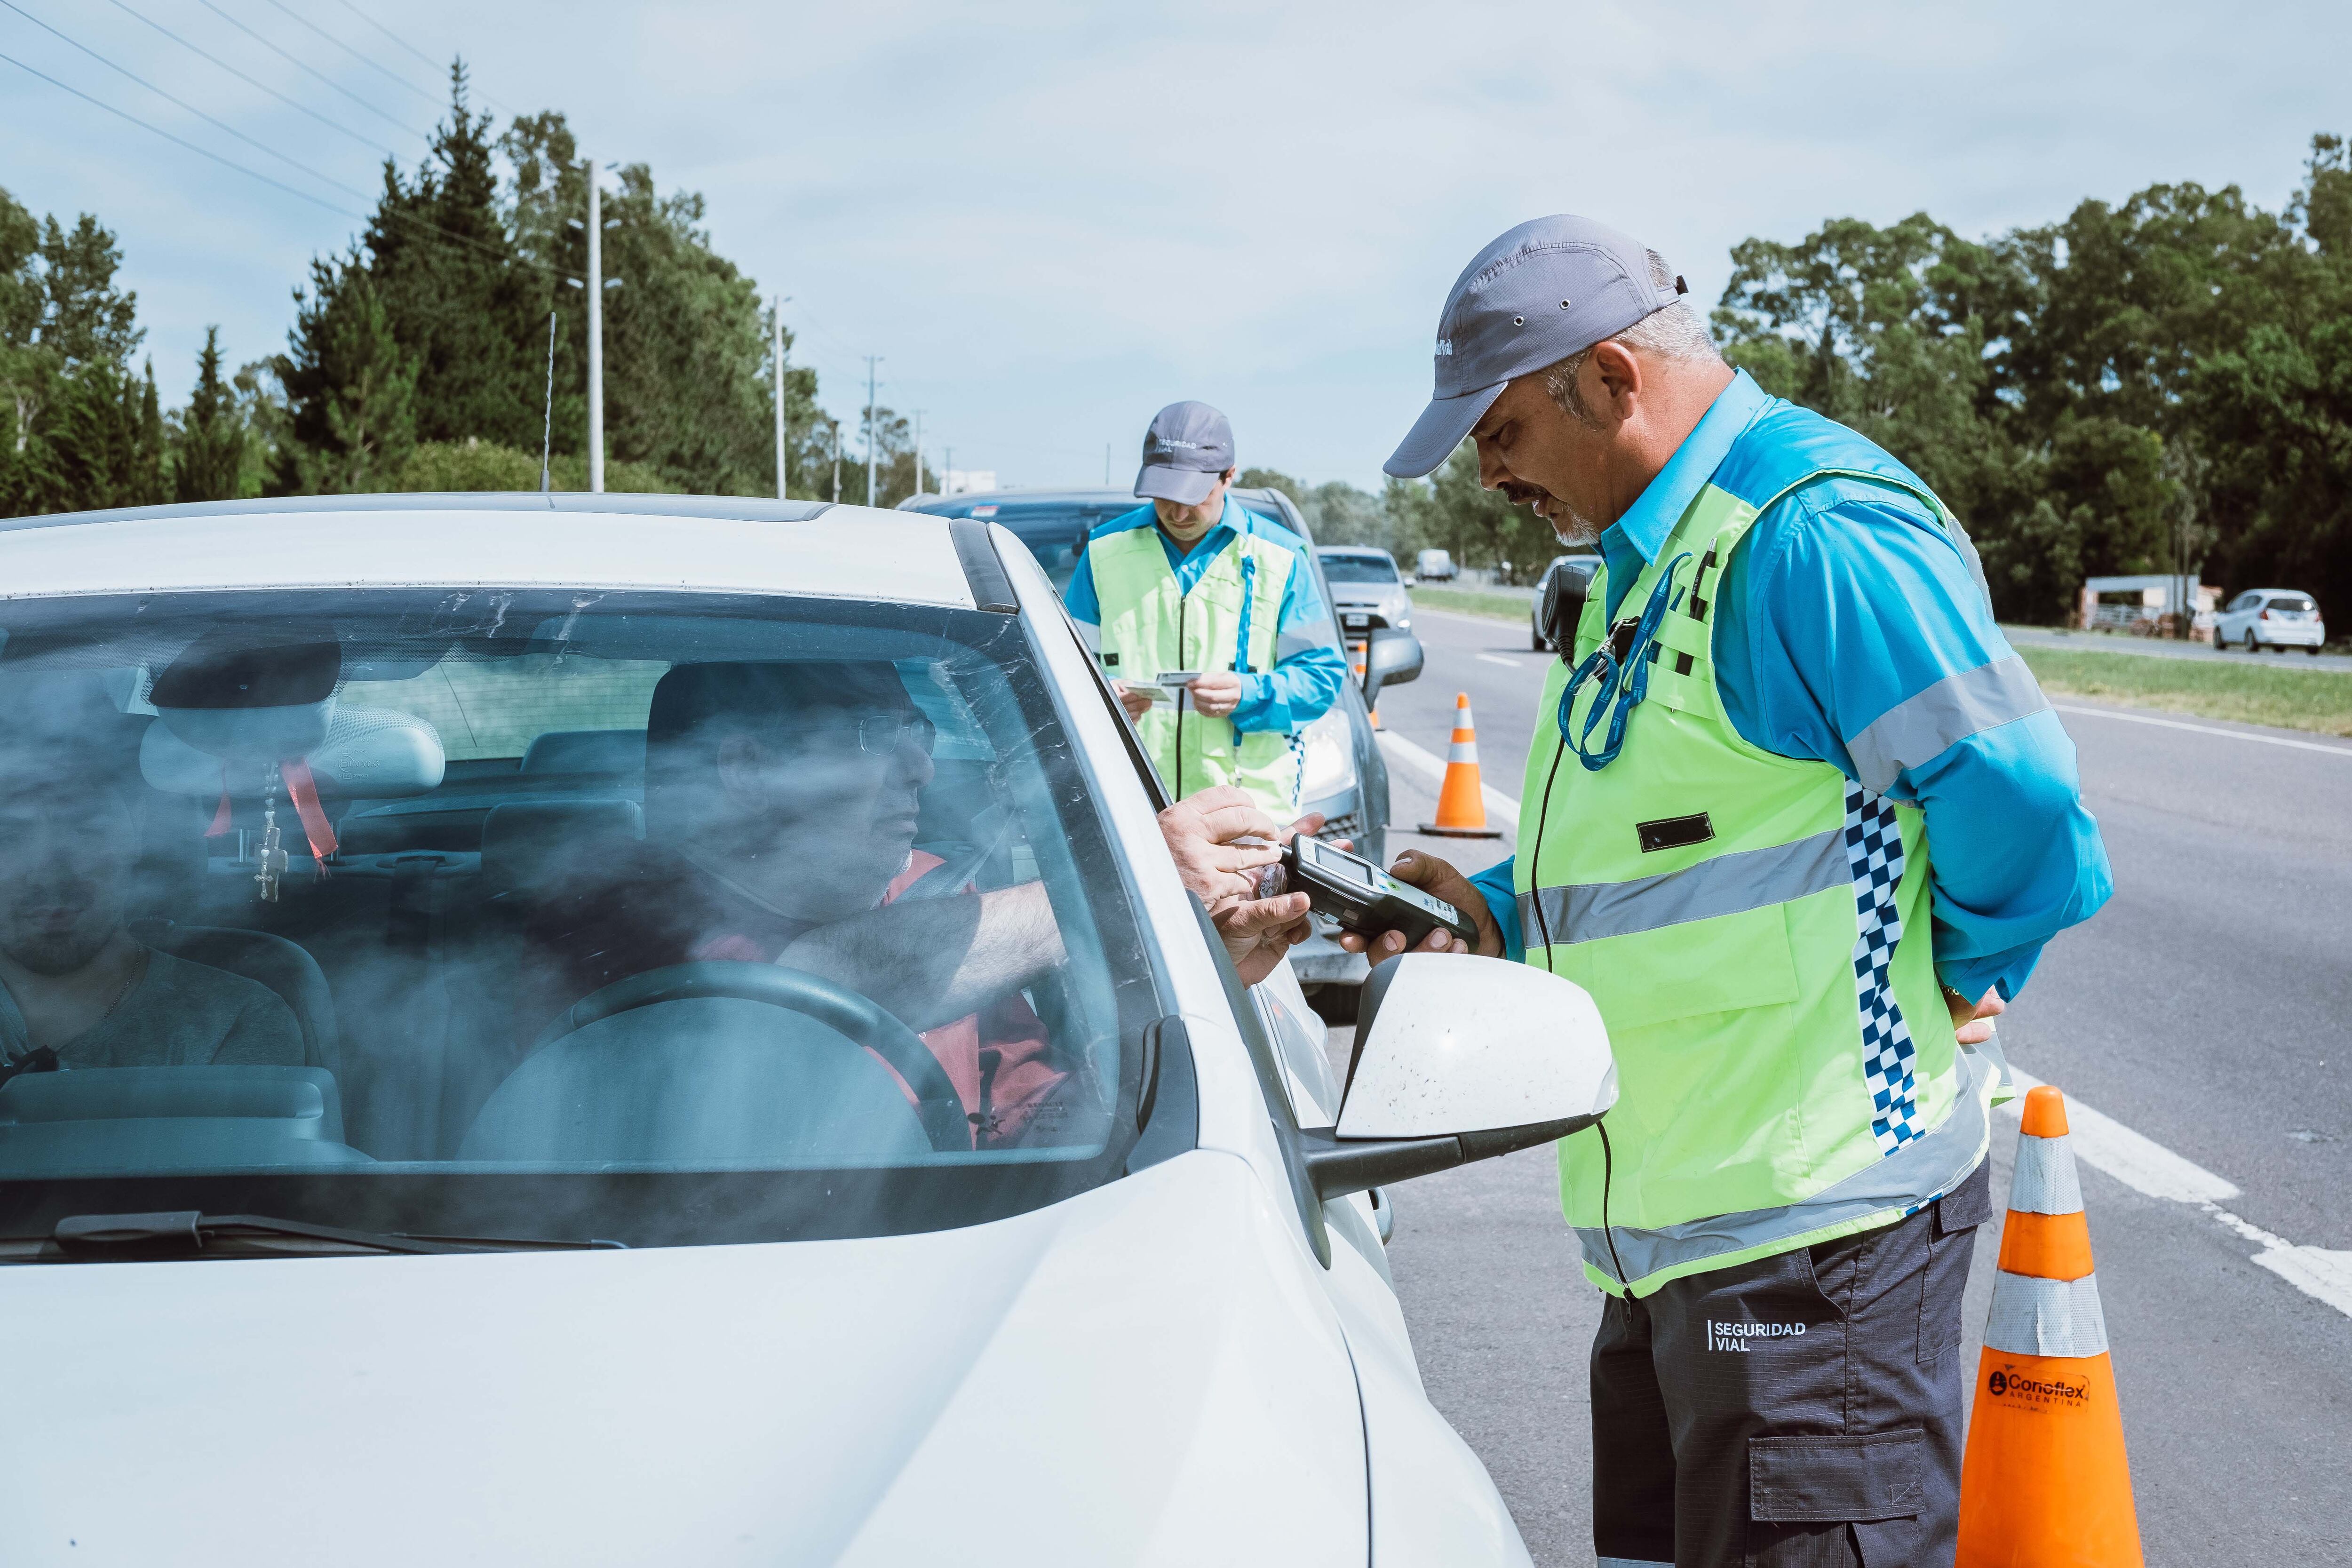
(2045, 1181)
(1462, 752)
(2046, 1317)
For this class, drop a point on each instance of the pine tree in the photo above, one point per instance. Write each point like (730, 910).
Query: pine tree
(455, 291)
(211, 458)
(352, 386)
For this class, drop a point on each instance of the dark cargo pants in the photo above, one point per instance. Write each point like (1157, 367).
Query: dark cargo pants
(1799, 1412)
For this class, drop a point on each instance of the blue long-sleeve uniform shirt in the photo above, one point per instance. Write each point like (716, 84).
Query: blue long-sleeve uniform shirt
(1308, 666)
(1851, 626)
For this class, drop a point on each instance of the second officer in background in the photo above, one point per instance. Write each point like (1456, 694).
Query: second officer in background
(1193, 582)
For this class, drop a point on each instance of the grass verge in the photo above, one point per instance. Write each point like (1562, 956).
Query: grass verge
(2248, 692)
(1472, 602)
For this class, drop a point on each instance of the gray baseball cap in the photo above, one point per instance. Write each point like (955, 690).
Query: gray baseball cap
(1546, 290)
(1188, 446)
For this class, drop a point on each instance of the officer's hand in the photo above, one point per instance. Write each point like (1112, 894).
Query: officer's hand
(1200, 831)
(1973, 1022)
(1217, 693)
(1136, 699)
(1437, 876)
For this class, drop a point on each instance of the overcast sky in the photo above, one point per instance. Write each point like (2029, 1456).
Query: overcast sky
(1052, 219)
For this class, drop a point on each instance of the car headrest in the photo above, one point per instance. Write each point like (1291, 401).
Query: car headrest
(586, 752)
(530, 843)
(370, 753)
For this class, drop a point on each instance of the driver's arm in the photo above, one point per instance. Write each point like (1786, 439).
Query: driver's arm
(933, 961)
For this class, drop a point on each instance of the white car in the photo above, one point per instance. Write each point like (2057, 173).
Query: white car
(463, 1096)
(2269, 617)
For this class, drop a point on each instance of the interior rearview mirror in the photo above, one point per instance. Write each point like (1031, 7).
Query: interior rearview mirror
(1462, 1058)
(1392, 657)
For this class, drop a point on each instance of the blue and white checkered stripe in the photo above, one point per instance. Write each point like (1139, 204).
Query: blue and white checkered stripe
(1874, 852)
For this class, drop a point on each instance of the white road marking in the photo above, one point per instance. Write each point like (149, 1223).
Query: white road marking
(1432, 767)
(2203, 729)
(1498, 659)
(2147, 1166)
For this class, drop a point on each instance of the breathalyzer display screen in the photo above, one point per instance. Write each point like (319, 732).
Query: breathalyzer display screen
(1346, 864)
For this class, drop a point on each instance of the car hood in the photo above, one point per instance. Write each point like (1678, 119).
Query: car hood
(1147, 1372)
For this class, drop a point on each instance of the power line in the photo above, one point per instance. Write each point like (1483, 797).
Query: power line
(302, 65)
(249, 81)
(279, 185)
(431, 63)
(192, 108)
(363, 59)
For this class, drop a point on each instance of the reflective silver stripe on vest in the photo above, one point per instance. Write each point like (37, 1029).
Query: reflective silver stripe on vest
(2045, 1182)
(1727, 885)
(1919, 1172)
(1923, 728)
(2046, 1317)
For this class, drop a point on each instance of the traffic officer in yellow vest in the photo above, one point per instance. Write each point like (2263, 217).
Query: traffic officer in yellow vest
(1802, 822)
(1193, 584)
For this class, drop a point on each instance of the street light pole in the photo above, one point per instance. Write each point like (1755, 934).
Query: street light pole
(918, 451)
(781, 472)
(871, 361)
(836, 457)
(595, 334)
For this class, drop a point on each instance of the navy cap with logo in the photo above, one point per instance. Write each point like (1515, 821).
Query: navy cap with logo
(1188, 446)
(1544, 290)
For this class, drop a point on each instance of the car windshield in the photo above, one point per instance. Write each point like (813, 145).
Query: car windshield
(534, 913)
(1343, 567)
(1055, 530)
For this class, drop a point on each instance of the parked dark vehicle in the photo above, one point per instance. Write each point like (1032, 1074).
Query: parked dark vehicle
(1559, 599)
(1346, 777)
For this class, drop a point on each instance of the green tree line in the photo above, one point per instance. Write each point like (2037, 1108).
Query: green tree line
(418, 358)
(2155, 387)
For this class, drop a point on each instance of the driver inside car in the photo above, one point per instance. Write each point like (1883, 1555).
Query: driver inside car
(76, 988)
(780, 808)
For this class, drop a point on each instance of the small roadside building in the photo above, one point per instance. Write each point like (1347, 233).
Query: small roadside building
(2144, 606)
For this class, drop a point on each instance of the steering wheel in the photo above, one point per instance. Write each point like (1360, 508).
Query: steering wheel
(796, 991)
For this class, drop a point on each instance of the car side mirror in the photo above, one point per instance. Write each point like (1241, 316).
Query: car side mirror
(1461, 1059)
(1392, 657)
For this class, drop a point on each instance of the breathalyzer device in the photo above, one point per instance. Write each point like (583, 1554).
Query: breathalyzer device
(1358, 895)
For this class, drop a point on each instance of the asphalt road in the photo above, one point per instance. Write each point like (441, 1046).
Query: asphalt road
(2203, 1010)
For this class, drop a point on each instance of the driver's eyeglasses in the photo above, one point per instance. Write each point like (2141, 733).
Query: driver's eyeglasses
(881, 734)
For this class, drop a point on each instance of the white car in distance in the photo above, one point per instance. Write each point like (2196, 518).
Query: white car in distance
(2269, 617)
(659, 1029)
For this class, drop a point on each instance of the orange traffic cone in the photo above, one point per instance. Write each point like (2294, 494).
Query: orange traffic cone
(1462, 799)
(2045, 1483)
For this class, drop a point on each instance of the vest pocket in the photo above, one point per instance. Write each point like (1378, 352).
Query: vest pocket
(1720, 966)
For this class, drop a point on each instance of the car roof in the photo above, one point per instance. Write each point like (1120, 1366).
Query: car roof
(1355, 550)
(719, 544)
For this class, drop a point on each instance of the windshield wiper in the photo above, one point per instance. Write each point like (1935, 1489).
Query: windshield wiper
(184, 1233)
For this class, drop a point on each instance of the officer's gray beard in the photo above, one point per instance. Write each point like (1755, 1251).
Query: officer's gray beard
(1572, 527)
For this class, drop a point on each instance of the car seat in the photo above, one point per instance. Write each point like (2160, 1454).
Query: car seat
(283, 967)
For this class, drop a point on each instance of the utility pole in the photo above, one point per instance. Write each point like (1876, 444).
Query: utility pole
(836, 456)
(595, 334)
(780, 401)
(946, 469)
(871, 493)
(547, 418)
(918, 451)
